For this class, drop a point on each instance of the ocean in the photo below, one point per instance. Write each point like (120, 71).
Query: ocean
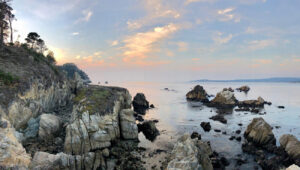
(178, 116)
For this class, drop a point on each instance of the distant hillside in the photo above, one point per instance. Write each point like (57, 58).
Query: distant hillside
(270, 80)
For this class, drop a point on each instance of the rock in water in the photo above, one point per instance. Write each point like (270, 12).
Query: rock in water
(206, 126)
(128, 126)
(190, 154)
(197, 94)
(224, 99)
(50, 125)
(260, 132)
(140, 104)
(291, 145)
(252, 103)
(243, 89)
(149, 130)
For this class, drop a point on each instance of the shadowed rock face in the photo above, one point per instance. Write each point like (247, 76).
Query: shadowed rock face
(149, 130)
(197, 94)
(260, 132)
(140, 104)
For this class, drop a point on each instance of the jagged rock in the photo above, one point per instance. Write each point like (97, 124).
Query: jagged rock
(12, 153)
(252, 103)
(140, 104)
(32, 129)
(206, 126)
(260, 132)
(293, 167)
(50, 125)
(224, 99)
(62, 161)
(128, 126)
(197, 94)
(291, 145)
(243, 89)
(95, 118)
(228, 89)
(190, 154)
(219, 118)
(149, 130)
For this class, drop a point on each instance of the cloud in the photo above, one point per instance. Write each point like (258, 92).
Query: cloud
(182, 46)
(250, 30)
(155, 11)
(75, 33)
(187, 2)
(261, 44)
(263, 61)
(115, 43)
(86, 16)
(228, 15)
(138, 46)
(218, 38)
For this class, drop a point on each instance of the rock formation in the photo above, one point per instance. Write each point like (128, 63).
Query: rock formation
(224, 99)
(291, 145)
(260, 132)
(197, 94)
(49, 126)
(243, 89)
(149, 130)
(140, 104)
(190, 154)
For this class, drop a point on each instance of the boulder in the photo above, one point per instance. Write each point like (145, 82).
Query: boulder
(140, 104)
(224, 99)
(50, 125)
(149, 130)
(219, 118)
(291, 145)
(260, 132)
(206, 126)
(190, 154)
(197, 94)
(128, 126)
(252, 103)
(62, 161)
(12, 153)
(243, 89)
(293, 167)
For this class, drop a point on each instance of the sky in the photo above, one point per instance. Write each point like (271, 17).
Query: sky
(168, 40)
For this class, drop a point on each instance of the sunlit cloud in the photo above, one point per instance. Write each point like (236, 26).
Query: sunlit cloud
(155, 10)
(115, 43)
(187, 2)
(263, 61)
(182, 46)
(86, 16)
(261, 44)
(218, 38)
(228, 15)
(250, 30)
(140, 45)
(75, 33)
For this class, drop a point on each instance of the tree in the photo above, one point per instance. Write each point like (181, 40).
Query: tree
(32, 39)
(50, 57)
(5, 18)
(10, 19)
(40, 45)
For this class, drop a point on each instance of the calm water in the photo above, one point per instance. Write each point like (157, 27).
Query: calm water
(177, 116)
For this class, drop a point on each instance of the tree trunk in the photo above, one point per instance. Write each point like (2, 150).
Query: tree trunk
(1, 35)
(11, 31)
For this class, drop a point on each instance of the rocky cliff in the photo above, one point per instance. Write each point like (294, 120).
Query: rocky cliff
(51, 122)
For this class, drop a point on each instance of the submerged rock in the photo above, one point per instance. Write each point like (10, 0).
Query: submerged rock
(128, 126)
(50, 125)
(206, 126)
(149, 130)
(260, 133)
(243, 89)
(291, 145)
(190, 154)
(224, 99)
(197, 94)
(140, 104)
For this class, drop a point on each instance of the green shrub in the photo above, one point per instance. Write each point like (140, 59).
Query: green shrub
(7, 78)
